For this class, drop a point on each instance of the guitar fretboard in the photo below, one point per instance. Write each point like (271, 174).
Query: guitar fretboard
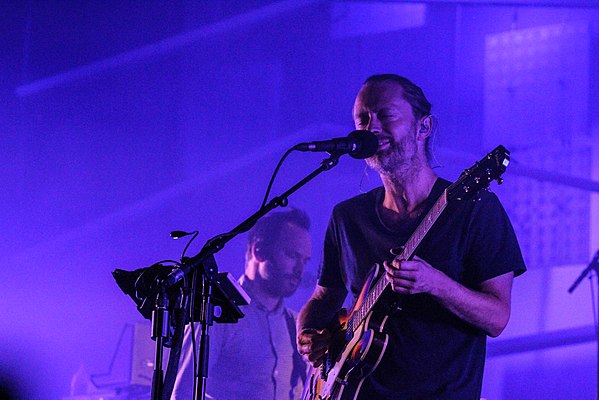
(409, 248)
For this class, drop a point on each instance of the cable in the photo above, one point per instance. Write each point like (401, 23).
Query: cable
(142, 286)
(191, 300)
(235, 232)
(272, 178)
(193, 329)
(195, 234)
(593, 302)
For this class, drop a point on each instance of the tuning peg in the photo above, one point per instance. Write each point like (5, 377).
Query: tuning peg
(499, 181)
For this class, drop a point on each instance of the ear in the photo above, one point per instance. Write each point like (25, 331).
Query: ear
(258, 252)
(425, 127)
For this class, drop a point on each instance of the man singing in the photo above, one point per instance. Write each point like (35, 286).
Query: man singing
(454, 292)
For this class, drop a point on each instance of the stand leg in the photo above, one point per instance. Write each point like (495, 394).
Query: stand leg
(157, 376)
(203, 372)
(206, 322)
(160, 324)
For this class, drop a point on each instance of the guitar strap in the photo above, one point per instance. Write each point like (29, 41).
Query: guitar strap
(299, 366)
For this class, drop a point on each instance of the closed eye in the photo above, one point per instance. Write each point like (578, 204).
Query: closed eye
(297, 256)
(362, 119)
(386, 116)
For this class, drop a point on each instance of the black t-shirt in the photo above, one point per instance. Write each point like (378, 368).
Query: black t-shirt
(432, 354)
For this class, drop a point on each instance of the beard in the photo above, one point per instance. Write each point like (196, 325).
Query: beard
(398, 159)
(283, 286)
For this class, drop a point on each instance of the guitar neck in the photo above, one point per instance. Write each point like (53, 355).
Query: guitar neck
(407, 253)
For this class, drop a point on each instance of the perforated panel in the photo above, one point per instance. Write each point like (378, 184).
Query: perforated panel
(536, 104)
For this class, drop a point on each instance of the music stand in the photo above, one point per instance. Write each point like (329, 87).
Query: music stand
(152, 298)
(158, 284)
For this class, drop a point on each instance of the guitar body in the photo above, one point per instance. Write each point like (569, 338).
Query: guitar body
(354, 354)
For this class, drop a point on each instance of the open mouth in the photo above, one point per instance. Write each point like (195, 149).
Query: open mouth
(383, 141)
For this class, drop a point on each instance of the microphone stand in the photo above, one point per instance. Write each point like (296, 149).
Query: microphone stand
(216, 244)
(160, 326)
(593, 266)
(204, 263)
(206, 320)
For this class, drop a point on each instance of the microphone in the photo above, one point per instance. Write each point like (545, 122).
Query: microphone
(358, 144)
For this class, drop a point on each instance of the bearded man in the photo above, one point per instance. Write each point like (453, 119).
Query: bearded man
(453, 293)
(257, 358)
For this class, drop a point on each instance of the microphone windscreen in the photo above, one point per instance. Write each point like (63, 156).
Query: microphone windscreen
(369, 144)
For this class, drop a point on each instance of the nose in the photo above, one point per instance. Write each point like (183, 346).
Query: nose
(374, 124)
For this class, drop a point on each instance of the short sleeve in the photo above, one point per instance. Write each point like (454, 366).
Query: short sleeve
(493, 248)
(330, 274)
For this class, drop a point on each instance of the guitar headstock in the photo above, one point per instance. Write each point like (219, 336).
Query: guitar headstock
(480, 175)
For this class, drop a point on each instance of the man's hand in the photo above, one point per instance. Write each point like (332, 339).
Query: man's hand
(320, 311)
(486, 306)
(414, 276)
(313, 344)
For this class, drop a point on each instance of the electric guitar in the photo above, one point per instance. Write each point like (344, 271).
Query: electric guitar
(359, 340)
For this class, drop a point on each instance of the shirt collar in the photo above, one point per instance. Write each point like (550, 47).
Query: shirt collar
(247, 284)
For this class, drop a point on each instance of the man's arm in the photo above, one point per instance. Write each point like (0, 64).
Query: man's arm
(487, 308)
(314, 318)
